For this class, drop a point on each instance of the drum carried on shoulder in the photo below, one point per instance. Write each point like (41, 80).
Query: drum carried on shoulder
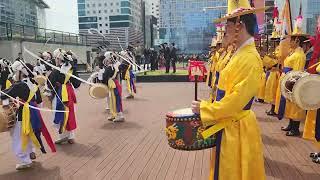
(183, 130)
(302, 89)
(7, 117)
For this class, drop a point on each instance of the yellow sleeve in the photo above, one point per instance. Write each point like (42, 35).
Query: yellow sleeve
(234, 101)
(318, 69)
(299, 62)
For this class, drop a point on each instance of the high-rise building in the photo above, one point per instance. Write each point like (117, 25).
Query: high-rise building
(150, 24)
(119, 20)
(23, 12)
(188, 23)
(310, 12)
(155, 12)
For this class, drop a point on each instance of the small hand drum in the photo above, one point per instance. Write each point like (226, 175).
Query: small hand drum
(98, 91)
(184, 129)
(306, 92)
(288, 82)
(7, 117)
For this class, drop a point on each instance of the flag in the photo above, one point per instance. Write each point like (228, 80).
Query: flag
(286, 17)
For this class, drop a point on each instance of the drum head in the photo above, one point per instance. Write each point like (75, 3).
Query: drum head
(181, 113)
(284, 81)
(41, 80)
(98, 91)
(306, 92)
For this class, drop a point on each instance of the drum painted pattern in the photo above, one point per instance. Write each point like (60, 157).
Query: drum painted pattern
(183, 130)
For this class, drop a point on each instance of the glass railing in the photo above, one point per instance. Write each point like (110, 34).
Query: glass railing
(10, 31)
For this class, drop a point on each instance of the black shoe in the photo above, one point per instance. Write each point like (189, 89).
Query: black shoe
(33, 156)
(293, 133)
(271, 113)
(288, 128)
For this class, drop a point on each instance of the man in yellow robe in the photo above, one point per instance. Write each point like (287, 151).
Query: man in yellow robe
(239, 153)
(294, 62)
(273, 75)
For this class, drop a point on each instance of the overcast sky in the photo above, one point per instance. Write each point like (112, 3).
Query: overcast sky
(62, 15)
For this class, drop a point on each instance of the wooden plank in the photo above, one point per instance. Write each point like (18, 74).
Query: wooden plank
(190, 164)
(197, 165)
(104, 167)
(174, 165)
(182, 166)
(166, 164)
(142, 170)
(125, 162)
(205, 170)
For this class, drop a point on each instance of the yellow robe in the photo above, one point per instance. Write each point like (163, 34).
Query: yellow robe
(295, 62)
(262, 86)
(313, 117)
(239, 153)
(213, 61)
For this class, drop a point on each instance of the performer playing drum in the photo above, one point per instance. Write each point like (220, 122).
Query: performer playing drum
(294, 62)
(238, 146)
(29, 124)
(65, 100)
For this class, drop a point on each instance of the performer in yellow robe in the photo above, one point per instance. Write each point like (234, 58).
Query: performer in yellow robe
(262, 88)
(272, 80)
(295, 62)
(239, 153)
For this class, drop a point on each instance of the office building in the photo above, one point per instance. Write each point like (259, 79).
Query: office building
(23, 12)
(189, 24)
(119, 20)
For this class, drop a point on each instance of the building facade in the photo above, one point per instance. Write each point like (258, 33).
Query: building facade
(23, 12)
(189, 24)
(119, 20)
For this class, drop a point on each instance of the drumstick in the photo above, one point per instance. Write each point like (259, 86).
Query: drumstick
(313, 65)
(196, 88)
(32, 107)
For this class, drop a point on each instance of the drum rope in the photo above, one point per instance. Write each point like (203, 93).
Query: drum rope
(32, 107)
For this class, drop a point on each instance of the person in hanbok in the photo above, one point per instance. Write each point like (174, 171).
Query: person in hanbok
(64, 96)
(239, 151)
(29, 127)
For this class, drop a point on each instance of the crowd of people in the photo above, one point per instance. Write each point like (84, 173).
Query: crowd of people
(26, 89)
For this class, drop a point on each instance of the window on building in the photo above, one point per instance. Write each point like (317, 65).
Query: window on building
(106, 24)
(100, 31)
(88, 12)
(111, 4)
(93, 5)
(99, 4)
(106, 18)
(111, 10)
(105, 11)
(105, 4)
(100, 18)
(125, 11)
(107, 31)
(117, 4)
(88, 26)
(99, 11)
(87, 19)
(120, 18)
(81, 1)
(100, 25)
(118, 10)
(81, 13)
(119, 24)
(81, 6)
(125, 4)
(88, 5)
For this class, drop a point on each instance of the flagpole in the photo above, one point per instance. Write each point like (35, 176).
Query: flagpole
(290, 16)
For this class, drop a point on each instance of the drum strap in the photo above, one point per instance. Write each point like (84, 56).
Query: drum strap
(223, 124)
(64, 92)
(26, 127)
(8, 84)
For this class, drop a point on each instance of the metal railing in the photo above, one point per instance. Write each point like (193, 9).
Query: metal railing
(10, 31)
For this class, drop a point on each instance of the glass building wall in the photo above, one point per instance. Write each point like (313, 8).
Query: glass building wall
(187, 24)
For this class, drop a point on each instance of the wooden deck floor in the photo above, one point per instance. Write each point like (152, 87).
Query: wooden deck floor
(137, 148)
